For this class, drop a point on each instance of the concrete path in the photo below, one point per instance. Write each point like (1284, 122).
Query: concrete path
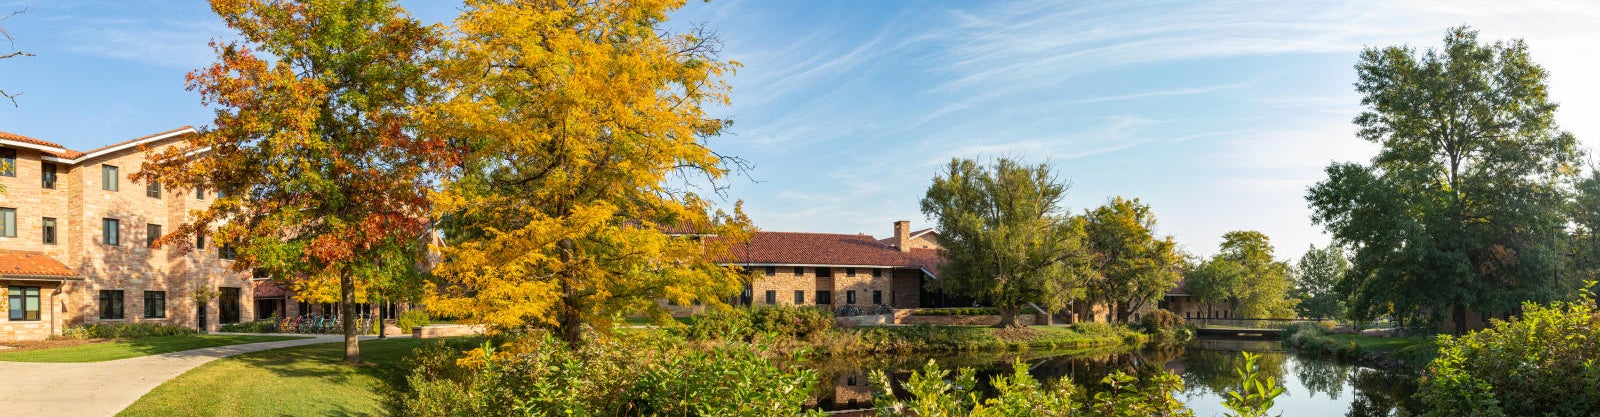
(105, 388)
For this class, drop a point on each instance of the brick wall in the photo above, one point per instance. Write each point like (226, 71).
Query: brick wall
(79, 203)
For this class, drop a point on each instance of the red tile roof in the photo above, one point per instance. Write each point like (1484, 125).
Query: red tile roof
(20, 138)
(890, 240)
(788, 248)
(168, 132)
(32, 264)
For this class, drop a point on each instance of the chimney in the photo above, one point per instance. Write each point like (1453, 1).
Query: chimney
(902, 235)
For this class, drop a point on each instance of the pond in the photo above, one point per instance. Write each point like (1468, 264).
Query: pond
(1314, 387)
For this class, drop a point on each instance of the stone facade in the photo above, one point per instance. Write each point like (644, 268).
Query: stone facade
(82, 205)
(837, 284)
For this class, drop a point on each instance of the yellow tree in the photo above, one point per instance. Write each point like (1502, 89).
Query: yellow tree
(583, 139)
(319, 177)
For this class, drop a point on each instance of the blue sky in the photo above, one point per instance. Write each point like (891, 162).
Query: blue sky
(1217, 114)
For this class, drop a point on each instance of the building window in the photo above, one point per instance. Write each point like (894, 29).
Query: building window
(849, 272)
(8, 162)
(108, 232)
(8, 222)
(877, 272)
(228, 305)
(772, 297)
(199, 240)
(850, 297)
(226, 252)
(110, 304)
(153, 190)
(49, 230)
(772, 270)
(199, 193)
(24, 302)
(155, 304)
(877, 297)
(151, 232)
(824, 272)
(47, 175)
(108, 177)
(799, 297)
(824, 297)
(798, 271)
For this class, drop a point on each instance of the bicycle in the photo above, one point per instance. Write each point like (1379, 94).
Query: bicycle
(882, 309)
(848, 311)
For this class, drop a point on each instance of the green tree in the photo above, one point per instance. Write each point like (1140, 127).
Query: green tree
(1007, 240)
(1244, 273)
(318, 176)
(1135, 267)
(1463, 205)
(1584, 246)
(1315, 276)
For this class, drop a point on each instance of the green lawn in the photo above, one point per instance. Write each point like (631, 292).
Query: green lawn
(308, 380)
(99, 352)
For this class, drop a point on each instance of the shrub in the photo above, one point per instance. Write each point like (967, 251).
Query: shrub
(633, 374)
(413, 318)
(1165, 327)
(932, 392)
(718, 324)
(123, 330)
(965, 311)
(259, 326)
(1545, 363)
(791, 321)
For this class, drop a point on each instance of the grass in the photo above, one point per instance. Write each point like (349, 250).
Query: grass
(1411, 352)
(123, 349)
(297, 381)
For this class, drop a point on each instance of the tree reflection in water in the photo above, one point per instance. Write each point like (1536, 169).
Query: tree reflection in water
(1316, 387)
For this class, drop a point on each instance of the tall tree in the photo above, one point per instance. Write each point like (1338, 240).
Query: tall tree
(1245, 274)
(1006, 237)
(1584, 246)
(318, 175)
(582, 125)
(1462, 207)
(1315, 277)
(1135, 267)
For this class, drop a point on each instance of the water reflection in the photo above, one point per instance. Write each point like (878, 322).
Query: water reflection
(1314, 387)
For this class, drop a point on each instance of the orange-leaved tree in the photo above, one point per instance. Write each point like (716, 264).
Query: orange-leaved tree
(320, 177)
(584, 136)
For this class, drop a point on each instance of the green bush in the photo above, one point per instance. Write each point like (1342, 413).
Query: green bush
(1165, 327)
(791, 321)
(631, 374)
(931, 392)
(413, 318)
(259, 326)
(718, 324)
(964, 311)
(123, 330)
(1545, 363)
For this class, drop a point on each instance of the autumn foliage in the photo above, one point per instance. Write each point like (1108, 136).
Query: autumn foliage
(582, 133)
(319, 177)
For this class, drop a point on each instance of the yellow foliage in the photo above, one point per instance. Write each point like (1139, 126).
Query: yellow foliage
(582, 127)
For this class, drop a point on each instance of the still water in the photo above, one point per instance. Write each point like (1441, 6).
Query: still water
(1313, 387)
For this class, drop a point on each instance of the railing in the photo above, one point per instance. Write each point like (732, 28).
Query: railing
(1247, 323)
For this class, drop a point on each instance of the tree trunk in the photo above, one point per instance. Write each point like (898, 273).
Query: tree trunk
(1122, 311)
(1008, 317)
(571, 326)
(1459, 315)
(347, 309)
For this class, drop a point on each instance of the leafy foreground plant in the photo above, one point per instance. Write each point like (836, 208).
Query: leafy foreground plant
(1544, 363)
(931, 392)
(1256, 391)
(621, 375)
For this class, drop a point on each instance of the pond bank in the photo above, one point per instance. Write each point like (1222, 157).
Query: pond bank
(951, 339)
(1404, 353)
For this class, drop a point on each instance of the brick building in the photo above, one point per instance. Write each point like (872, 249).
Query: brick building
(75, 234)
(837, 270)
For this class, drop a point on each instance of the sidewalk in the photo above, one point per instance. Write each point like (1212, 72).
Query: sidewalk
(105, 388)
